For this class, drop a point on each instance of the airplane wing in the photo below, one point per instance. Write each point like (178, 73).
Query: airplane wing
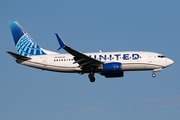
(83, 60)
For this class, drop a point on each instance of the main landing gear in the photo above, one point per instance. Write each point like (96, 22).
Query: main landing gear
(91, 77)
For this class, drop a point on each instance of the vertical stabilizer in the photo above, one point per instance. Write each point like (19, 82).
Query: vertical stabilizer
(24, 43)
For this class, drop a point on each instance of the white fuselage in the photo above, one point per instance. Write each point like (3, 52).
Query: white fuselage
(130, 61)
(108, 64)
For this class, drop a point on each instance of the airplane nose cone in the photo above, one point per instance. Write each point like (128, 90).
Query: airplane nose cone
(170, 62)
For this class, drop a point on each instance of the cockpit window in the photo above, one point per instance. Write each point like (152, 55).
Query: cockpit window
(161, 56)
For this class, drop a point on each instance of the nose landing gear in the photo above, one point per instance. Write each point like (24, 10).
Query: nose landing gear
(155, 70)
(153, 75)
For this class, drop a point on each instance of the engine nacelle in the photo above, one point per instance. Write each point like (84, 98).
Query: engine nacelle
(111, 70)
(112, 67)
(113, 74)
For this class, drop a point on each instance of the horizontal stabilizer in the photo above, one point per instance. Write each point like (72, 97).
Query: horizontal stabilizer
(17, 56)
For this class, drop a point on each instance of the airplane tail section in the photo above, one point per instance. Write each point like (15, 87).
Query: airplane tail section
(25, 45)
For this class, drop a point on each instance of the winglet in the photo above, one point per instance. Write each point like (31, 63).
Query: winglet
(61, 42)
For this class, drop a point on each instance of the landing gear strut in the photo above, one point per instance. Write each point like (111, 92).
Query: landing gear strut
(91, 77)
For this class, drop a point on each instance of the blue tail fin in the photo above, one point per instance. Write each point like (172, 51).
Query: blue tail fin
(24, 43)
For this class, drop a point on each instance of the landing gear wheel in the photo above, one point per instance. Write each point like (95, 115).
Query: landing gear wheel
(153, 75)
(91, 77)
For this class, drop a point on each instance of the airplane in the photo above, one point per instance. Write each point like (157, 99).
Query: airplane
(108, 64)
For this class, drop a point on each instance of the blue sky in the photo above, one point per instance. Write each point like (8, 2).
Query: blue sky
(89, 26)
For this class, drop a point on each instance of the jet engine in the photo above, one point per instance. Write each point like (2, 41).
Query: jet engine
(112, 70)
